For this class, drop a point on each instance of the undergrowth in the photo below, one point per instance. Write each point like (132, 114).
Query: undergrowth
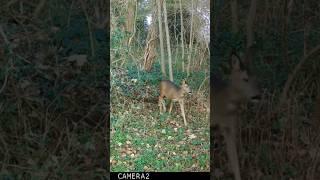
(142, 139)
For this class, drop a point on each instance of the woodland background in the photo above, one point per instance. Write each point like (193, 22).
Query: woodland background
(53, 89)
(279, 139)
(144, 51)
(53, 102)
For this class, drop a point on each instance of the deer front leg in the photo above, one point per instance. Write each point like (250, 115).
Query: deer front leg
(182, 112)
(230, 138)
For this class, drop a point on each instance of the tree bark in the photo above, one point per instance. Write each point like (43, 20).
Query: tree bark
(150, 49)
(191, 39)
(234, 14)
(250, 34)
(163, 65)
(130, 16)
(133, 23)
(168, 40)
(182, 35)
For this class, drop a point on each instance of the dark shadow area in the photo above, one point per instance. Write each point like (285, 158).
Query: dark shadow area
(277, 138)
(54, 89)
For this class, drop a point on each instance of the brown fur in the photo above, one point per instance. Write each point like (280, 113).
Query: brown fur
(175, 93)
(226, 102)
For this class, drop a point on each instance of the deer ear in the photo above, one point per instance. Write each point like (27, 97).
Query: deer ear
(235, 62)
(183, 81)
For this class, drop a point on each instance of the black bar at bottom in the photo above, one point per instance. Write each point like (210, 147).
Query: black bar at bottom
(158, 175)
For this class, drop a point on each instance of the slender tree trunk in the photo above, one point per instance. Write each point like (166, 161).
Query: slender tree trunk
(286, 16)
(168, 40)
(306, 32)
(250, 34)
(163, 65)
(175, 34)
(130, 17)
(265, 19)
(191, 40)
(150, 49)
(234, 14)
(133, 23)
(182, 35)
(250, 21)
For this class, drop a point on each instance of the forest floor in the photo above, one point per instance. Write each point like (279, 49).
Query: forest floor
(142, 139)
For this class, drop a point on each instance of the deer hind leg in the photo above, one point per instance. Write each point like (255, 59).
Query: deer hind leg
(230, 138)
(171, 104)
(164, 106)
(182, 112)
(160, 104)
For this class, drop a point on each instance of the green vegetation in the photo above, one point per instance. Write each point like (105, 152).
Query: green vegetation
(142, 139)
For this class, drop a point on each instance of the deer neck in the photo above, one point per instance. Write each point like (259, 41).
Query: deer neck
(181, 92)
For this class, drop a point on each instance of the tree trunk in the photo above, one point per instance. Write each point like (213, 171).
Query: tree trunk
(133, 30)
(175, 34)
(191, 39)
(250, 34)
(182, 35)
(286, 16)
(168, 40)
(163, 65)
(306, 31)
(234, 14)
(150, 49)
(130, 16)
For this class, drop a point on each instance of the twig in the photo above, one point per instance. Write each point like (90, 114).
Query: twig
(89, 28)
(11, 2)
(69, 15)
(39, 8)
(4, 36)
(202, 84)
(294, 73)
(4, 83)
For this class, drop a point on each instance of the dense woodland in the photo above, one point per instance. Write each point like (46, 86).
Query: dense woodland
(151, 41)
(53, 89)
(279, 137)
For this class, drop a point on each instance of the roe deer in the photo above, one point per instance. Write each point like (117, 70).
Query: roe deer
(227, 98)
(175, 93)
